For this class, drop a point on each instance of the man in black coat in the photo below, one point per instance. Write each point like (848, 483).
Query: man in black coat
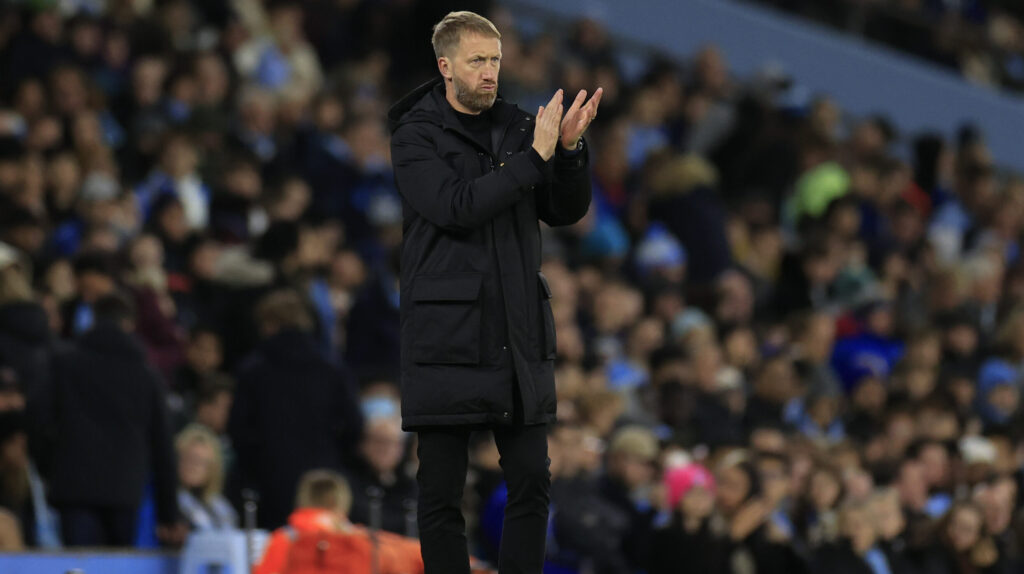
(476, 173)
(103, 416)
(293, 410)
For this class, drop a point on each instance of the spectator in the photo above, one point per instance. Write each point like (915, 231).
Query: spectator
(891, 529)
(689, 538)
(95, 276)
(588, 530)
(774, 387)
(373, 340)
(379, 467)
(204, 355)
(816, 513)
(816, 334)
(856, 550)
(685, 199)
(962, 545)
(155, 323)
(104, 398)
(282, 59)
(998, 500)
(322, 514)
(213, 403)
(762, 269)
(177, 177)
(287, 384)
(751, 537)
(25, 336)
(201, 479)
(627, 485)
(22, 492)
(721, 402)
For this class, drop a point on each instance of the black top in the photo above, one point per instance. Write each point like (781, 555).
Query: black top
(478, 125)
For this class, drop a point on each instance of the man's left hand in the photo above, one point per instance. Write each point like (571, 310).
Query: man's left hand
(578, 117)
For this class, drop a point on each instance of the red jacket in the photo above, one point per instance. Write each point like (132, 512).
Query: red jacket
(397, 554)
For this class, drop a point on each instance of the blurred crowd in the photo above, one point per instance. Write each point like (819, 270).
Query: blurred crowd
(981, 39)
(788, 340)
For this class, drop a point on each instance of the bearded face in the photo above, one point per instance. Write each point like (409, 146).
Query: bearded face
(474, 72)
(477, 97)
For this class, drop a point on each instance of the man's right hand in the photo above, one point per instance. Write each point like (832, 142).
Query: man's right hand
(547, 127)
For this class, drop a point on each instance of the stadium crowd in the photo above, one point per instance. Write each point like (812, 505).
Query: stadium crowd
(788, 340)
(981, 39)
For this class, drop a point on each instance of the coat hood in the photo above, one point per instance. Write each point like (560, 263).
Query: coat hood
(415, 107)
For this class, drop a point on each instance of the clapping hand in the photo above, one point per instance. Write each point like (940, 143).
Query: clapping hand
(545, 132)
(579, 117)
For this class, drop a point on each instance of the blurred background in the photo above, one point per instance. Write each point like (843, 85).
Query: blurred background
(790, 328)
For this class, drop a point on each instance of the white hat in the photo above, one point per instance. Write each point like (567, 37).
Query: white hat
(728, 378)
(8, 255)
(977, 450)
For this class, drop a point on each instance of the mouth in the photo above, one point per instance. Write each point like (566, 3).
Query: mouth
(489, 87)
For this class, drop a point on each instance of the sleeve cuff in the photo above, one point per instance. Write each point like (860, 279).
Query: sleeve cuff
(538, 161)
(570, 152)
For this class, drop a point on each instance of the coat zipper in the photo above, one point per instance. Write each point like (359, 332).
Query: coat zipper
(507, 350)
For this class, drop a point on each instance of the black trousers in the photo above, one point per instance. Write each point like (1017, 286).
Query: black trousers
(443, 460)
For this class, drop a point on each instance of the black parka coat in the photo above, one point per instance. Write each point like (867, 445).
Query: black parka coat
(477, 334)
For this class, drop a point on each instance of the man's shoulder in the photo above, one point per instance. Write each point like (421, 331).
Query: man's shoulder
(416, 130)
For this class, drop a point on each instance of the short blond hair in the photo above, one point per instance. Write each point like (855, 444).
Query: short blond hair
(324, 489)
(14, 285)
(449, 30)
(198, 434)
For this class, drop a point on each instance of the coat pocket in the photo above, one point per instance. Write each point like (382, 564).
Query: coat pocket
(549, 343)
(446, 318)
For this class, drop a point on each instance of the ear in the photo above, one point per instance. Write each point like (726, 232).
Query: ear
(444, 65)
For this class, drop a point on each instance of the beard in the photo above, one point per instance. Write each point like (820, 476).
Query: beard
(477, 101)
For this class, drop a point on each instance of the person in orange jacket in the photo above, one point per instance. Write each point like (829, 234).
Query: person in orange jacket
(324, 500)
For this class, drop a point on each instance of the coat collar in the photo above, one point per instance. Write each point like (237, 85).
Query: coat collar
(427, 103)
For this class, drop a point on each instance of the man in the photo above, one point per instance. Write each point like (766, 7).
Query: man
(477, 343)
(322, 519)
(95, 276)
(857, 550)
(891, 524)
(379, 466)
(632, 469)
(293, 410)
(107, 428)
